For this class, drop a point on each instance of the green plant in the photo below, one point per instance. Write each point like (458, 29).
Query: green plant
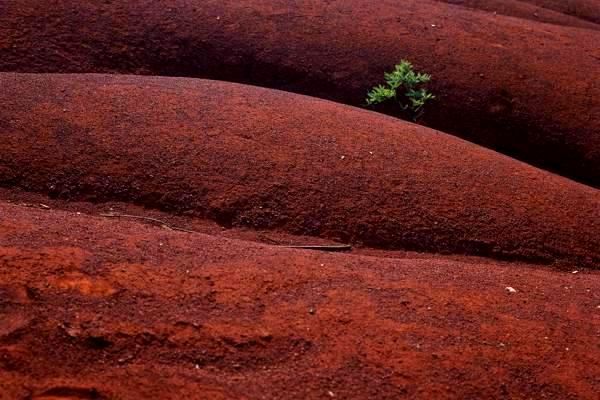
(406, 87)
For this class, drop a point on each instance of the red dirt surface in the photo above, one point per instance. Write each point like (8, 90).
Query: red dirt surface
(159, 266)
(93, 308)
(251, 157)
(524, 88)
(575, 13)
(584, 9)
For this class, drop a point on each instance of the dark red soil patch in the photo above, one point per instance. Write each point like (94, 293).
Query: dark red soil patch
(101, 309)
(246, 156)
(557, 12)
(584, 9)
(524, 88)
(186, 222)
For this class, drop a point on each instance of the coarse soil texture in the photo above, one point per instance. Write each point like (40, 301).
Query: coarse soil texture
(525, 88)
(574, 13)
(250, 157)
(96, 308)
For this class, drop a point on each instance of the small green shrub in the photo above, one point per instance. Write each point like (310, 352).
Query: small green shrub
(404, 86)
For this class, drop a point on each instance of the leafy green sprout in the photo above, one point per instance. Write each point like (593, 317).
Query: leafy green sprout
(405, 86)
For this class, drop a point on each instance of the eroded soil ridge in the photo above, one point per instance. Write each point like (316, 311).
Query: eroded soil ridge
(247, 156)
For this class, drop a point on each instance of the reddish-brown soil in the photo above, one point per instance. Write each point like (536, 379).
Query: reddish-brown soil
(247, 156)
(584, 9)
(149, 226)
(524, 88)
(575, 13)
(93, 308)
(172, 221)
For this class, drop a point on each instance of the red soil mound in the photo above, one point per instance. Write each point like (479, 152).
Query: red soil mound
(526, 89)
(247, 156)
(535, 12)
(101, 309)
(584, 9)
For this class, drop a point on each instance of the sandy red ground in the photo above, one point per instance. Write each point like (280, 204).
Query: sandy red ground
(524, 88)
(146, 222)
(583, 9)
(94, 308)
(575, 13)
(246, 156)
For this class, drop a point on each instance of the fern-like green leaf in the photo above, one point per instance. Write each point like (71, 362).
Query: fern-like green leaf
(403, 84)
